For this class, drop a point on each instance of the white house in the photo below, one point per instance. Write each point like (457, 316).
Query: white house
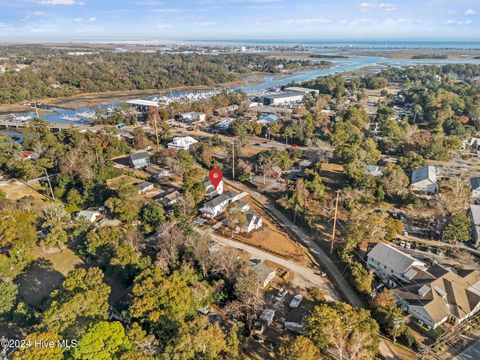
(89, 215)
(210, 191)
(267, 119)
(392, 265)
(219, 204)
(139, 160)
(192, 117)
(373, 170)
(254, 221)
(424, 179)
(182, 143)
(475, 184)
(224, 124)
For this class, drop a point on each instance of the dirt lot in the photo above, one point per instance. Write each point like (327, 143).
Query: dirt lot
(17, 190)
(45, 274)
(332, 173)
(272, 238)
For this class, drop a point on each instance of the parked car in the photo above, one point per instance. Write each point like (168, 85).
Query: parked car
(281, 294)
(296, 301)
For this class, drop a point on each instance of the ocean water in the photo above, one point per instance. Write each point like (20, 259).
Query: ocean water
(353, 44)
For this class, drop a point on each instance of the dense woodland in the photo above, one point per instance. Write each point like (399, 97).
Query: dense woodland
(54, 73)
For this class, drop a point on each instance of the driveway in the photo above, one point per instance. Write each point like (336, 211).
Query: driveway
(303, 276)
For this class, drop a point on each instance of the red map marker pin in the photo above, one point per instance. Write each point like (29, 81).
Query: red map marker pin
(215, 176)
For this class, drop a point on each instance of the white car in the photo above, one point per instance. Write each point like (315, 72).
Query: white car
(296, 301)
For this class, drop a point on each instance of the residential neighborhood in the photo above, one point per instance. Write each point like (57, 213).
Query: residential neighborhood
(208, 200)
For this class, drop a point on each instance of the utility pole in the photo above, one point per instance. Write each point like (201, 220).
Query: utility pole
(233, 160)
(334, 223)
(49, 184)
(156, 128)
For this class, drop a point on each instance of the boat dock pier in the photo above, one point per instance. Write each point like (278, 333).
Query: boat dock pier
(56, 127)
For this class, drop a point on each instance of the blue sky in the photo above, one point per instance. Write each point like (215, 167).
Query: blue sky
(41, 20)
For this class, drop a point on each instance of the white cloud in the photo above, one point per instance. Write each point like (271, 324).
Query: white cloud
(58, 2)
(319, 21)
(85, 20)
(164, 26)
(361, 22)
(470, 12)
(402, 22)
(205, 23)
(365, 6)
(457, 22)
(169, 10)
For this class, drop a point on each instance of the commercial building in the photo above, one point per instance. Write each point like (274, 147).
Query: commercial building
(302, 90)
(282, 98)
(142, 105)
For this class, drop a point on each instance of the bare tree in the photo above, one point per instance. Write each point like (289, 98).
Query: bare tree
(265, 164)
(455, 196)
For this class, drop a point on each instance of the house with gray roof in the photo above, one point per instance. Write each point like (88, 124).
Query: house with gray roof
(218, 204)
(392, 265)
(254, 221)
(475, 219)
(139, 160)
(424, 180)
(475, 184)
(144, 187)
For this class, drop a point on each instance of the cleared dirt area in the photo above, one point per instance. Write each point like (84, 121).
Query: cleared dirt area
(45, 274)
(332, 173)
(16, 190)
(272, 238)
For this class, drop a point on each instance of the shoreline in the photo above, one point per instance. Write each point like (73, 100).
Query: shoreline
(88, 100)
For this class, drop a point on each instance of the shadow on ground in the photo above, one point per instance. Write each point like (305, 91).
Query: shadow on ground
(38, 281)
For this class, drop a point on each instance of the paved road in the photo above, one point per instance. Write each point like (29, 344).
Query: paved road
(335, 275)
(472, 353)
(303, 276)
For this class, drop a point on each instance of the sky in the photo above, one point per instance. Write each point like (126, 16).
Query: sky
(165, 20)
